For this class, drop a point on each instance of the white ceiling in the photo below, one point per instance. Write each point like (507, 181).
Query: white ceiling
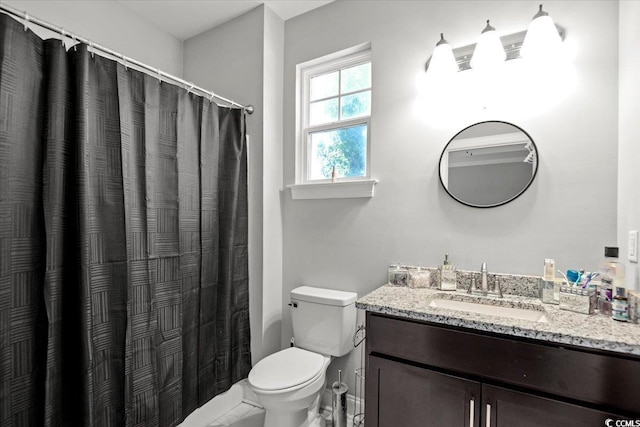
(187, 18)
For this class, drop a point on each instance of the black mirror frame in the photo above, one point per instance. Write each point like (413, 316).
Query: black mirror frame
(533, 177)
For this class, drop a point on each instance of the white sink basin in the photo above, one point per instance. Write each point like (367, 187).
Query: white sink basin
(492, 310)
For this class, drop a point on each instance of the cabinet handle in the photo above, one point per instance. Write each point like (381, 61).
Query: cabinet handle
(472, 410)
(488, 424)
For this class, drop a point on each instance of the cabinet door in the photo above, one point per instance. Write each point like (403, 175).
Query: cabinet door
(398, 394)
(507, 408)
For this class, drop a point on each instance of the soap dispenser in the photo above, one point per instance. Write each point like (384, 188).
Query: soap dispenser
(448, 280)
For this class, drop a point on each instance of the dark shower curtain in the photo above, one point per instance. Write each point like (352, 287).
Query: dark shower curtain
(123, 241)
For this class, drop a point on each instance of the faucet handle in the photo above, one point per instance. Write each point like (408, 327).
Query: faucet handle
(472, 286)
(496, 287)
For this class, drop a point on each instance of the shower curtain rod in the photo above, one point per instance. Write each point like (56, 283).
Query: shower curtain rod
(124, 60)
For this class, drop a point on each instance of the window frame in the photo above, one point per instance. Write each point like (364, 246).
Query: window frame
(320, 66)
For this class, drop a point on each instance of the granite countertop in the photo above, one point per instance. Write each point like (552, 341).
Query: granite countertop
(563, 327)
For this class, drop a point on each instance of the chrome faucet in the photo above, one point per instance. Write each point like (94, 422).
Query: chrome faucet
(484, 286)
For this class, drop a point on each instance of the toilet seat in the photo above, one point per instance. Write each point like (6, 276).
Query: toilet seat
(288, 368)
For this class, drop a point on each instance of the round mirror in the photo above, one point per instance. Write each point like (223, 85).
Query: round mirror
(488, 164)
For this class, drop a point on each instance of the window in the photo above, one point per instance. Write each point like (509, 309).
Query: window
(334, 113)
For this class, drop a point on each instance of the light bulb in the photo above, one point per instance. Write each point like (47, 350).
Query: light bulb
(542, 41)
(489, 52)
(442, 63)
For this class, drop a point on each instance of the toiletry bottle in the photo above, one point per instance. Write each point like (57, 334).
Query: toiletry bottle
(611, 280)
(447, 275)
(549, 269)
(548, 283)
(620, 309)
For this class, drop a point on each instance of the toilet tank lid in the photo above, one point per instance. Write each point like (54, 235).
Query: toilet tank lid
(323, 296)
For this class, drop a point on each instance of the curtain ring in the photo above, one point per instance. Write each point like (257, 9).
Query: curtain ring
(211, 97)
(124, 61)
(91, 48)
(190, 88)
(26, 21)
(159, 76)
(63, 35)
(75, 42)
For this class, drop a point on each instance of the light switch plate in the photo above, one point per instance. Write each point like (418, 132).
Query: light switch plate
(633, 246)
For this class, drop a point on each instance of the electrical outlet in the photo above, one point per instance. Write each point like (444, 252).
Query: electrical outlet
(633, 246)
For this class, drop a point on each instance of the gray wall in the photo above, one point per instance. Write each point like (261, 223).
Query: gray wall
(629, 133)
(272, 240)
(569, 212)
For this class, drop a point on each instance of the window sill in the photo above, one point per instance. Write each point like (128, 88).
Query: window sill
(334, 190)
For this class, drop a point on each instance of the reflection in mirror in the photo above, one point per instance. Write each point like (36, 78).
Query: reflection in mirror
(488, 164)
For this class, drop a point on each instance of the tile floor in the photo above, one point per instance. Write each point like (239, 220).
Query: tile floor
(243, 415)
(247, 415)
(237, 408)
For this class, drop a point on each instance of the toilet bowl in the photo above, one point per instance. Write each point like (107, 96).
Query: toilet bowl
(289, 383)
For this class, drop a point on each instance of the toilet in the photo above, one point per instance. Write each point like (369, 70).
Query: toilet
(289, 383)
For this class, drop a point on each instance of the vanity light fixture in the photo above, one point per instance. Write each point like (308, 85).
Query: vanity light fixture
(489, 52)
(442, 62)
(541, 40)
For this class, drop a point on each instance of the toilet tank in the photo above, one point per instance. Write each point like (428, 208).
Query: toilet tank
(324, 320)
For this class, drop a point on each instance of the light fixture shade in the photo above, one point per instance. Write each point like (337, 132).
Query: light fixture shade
(489, 52)
(542, 40)
(443, 62)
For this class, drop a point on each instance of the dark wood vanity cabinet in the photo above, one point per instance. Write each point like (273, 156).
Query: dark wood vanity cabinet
(503, 407)
(411, 396)
(423, 374)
